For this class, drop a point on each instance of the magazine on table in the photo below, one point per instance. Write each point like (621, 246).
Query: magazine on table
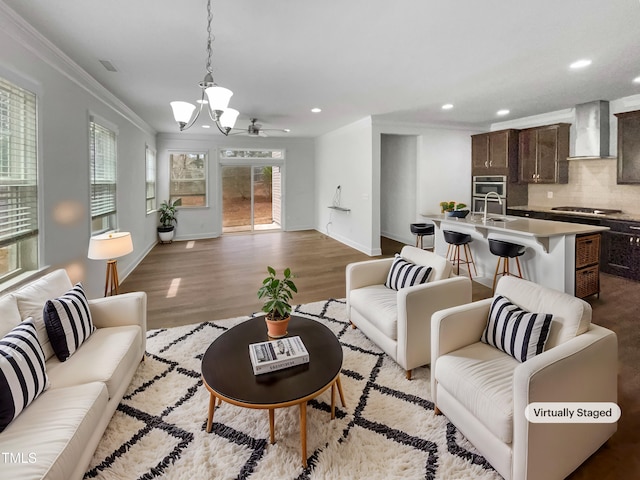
(277, 354)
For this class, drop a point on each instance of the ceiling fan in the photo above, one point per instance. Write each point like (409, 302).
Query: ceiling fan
(255, 130)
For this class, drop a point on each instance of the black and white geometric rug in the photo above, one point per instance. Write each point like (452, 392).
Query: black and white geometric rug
(386, 431)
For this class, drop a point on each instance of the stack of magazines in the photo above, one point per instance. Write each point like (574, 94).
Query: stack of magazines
(277, 354)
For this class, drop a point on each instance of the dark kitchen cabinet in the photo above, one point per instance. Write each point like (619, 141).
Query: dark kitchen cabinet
(495, 153)
(629, 147)
(542, 154)
(621, 249)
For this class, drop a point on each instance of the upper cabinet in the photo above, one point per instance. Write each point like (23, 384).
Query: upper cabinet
(495, 153)
(543, 152)
(629, 147)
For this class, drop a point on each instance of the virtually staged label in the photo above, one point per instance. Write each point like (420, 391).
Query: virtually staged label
(572, 412)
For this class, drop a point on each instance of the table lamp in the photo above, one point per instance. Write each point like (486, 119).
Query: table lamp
(109, 246)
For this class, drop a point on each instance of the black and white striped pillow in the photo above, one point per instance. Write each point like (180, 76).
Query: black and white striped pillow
(406, 274)
(517, 332)
(22, 371)
(68, 322)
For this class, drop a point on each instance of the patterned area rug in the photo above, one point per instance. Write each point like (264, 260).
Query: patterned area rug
(387, 430)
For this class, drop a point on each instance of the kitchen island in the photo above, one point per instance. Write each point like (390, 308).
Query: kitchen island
(550, 257)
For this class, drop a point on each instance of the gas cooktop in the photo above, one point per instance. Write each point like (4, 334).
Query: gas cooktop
(597, 211)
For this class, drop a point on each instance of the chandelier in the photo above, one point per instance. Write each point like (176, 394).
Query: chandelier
(217, 98)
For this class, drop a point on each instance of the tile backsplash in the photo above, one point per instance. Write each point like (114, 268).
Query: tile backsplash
(592, 183)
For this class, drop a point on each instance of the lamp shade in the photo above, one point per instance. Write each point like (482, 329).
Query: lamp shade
(218, 98)
(110, 245)
(182, 111)
(228, 117)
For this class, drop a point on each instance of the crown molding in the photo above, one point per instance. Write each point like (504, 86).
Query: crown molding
(24, 33)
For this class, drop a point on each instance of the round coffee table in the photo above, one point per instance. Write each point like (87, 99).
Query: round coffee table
(228, 375)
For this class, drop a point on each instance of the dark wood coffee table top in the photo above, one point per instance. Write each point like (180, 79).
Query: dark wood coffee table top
(226, 366)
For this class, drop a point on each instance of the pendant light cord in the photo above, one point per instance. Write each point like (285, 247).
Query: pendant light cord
(209, 38)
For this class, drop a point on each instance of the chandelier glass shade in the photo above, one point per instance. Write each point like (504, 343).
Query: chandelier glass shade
(216, 98)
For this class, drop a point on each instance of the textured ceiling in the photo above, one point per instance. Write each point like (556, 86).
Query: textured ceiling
(352, 58)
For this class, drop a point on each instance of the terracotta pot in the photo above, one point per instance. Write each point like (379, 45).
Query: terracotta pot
(277, 328)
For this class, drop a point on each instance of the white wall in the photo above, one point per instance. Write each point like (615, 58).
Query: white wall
(444, 168)
(344, 158)
(299, 188)
(66, 96)
(398, 158)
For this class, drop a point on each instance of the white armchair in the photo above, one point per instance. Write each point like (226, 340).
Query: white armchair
(484, 392)
(399, 322)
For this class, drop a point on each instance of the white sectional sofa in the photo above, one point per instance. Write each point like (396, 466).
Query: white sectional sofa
(56, 435)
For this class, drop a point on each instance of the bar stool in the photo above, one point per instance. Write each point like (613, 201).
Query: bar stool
(455, 240)
(422, 230)
(505, 251)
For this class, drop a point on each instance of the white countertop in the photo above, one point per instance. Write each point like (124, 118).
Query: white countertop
(541, 230)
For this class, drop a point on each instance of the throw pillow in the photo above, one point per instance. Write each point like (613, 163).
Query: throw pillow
(68, 322)
(517, 332)
(22, 371)
(406, 274)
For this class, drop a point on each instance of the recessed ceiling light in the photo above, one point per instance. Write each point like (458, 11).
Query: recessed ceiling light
(287, 130)
(503, 112)
(636, 80)
(206, 126)
(580, 64)
(447, 106)
(316, 110)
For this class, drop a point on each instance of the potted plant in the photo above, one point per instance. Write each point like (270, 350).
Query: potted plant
(453, 209)
(277, 293)
(167, 213)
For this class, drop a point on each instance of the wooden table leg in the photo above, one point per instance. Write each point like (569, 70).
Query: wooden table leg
(272, 424)
(303, 432)
(333, 400)
(212, 406)
(340, 391)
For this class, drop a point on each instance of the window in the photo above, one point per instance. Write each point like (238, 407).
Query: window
(150, 168)
(18, 181)
(247, 153)
(188, 179)
(103, 177)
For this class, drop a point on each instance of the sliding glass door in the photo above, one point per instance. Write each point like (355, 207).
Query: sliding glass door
(251, 198)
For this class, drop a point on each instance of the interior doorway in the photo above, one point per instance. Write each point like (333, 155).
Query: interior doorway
(251, 198)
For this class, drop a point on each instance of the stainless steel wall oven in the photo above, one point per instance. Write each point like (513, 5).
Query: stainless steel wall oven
(482, 185)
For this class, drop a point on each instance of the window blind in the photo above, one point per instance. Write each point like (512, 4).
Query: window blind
(102, 170)
(150, 157)
(18, 164)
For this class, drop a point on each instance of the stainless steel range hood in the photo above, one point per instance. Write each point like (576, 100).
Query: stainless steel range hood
(592, 131)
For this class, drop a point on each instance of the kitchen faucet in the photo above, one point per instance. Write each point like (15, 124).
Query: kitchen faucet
(484, 218)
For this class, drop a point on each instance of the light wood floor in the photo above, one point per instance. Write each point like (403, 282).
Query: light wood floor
(218, 278)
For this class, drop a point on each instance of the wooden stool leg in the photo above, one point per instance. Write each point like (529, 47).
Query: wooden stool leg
(469, 259)
(472, 261)
(495, 275)
(506, 266)
(518, 265)
(456, 253)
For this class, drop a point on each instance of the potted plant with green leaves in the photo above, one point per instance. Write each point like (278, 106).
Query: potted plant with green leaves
(453, 209)
(277, 293)
(167, 214)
